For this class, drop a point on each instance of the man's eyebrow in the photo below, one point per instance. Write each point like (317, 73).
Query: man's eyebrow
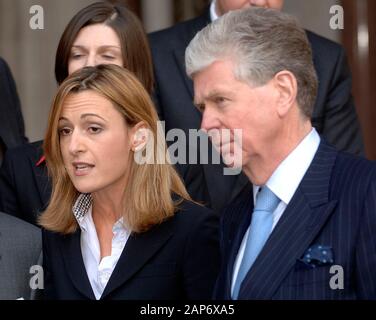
(210, 96)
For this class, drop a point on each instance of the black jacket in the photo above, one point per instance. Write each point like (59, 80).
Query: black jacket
(176, 260)
(24, 185)
(12, 128)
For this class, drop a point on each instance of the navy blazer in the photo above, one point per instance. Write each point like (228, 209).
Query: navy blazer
(12, 128)
(333, 207)
(178, 259)
(334, 114)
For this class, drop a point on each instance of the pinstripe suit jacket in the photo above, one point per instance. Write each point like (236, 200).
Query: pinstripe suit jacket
(335, 206)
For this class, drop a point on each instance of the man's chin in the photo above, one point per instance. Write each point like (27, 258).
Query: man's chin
(232, 161)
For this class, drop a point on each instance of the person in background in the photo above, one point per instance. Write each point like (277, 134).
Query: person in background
(12, 127)
(334, 114)
(117, 227)
(98, 34)
(21, 259)
(304, 225)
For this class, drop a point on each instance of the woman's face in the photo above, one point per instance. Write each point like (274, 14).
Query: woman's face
(224, 6)
(95, 143)
(95, 44)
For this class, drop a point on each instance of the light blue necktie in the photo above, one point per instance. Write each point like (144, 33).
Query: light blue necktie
(260, 229)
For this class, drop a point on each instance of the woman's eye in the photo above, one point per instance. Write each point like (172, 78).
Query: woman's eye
(95, 129)
(64, 131)
(76, 56)
(108, 57)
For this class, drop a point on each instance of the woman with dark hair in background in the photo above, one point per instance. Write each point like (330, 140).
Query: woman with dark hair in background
(101, 33)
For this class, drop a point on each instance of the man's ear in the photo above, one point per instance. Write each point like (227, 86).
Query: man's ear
(287, 87)
(139, 136)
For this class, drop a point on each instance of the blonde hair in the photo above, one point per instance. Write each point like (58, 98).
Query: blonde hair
(151, 187)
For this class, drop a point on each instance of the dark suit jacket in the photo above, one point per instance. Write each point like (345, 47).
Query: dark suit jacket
(178, 259)
(20, 249)
(24, 186)
(334, 206)
(334, 113)
(12, 128)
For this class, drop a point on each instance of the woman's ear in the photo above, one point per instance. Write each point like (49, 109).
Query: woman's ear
(287, 87)
(140, 136)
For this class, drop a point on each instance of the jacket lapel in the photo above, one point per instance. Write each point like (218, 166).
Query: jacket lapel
(304, 217)
(239, 222)
(71, 248)
(140, 248)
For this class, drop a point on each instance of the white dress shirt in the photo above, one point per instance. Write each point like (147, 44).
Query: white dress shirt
(284, 182)
(98, 271)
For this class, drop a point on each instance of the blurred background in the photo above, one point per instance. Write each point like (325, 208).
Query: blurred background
(30, 53)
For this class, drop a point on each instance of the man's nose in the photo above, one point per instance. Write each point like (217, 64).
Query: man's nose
(209, 120)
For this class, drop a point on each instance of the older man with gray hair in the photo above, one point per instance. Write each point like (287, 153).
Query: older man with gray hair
(304, 226)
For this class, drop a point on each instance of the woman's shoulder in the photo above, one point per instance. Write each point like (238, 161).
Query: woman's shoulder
(193, 208)
(191, 214)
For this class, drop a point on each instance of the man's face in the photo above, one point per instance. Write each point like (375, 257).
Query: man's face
(227, 103)
(224, 6)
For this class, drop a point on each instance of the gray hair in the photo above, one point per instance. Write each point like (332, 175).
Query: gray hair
(261, 42)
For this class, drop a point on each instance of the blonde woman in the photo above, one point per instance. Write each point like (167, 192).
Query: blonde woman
(114, 228)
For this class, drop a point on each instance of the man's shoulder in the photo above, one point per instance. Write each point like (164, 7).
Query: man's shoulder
(361, 168)
(32, 150)
(322, 46)
(3, 64)
(11, 226)
(182, 32)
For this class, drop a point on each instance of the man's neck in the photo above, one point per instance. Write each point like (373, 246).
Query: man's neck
(261, 167)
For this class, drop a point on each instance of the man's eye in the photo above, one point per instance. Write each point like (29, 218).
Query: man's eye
(220, 99)
(200, 107)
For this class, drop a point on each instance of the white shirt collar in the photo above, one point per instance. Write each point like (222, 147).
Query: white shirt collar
(213, 13)
(98, 271)
(83, 214)
(290, 172)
